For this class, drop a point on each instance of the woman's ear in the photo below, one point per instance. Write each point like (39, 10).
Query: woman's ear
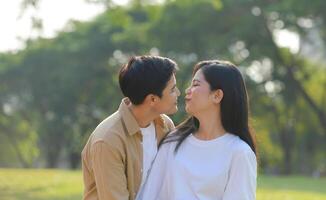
(218, 96)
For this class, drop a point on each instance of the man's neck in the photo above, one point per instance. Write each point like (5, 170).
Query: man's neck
(142, 115)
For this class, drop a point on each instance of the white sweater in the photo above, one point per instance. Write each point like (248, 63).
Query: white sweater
(224, 168)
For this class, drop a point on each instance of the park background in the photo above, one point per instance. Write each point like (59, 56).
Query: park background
(54, 90)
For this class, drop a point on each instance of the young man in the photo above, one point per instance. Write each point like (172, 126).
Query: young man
(120, 151)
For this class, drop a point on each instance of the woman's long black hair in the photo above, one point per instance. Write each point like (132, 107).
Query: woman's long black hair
(234, 105)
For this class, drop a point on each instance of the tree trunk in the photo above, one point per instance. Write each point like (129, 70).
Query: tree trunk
(287, 144)
(74, 159)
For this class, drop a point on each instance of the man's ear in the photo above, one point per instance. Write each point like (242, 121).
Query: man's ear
(150, 99)
(218, 96)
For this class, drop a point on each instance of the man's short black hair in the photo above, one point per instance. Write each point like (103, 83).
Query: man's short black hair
(144, 75)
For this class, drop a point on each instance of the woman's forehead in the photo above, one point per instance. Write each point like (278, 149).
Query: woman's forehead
(199, 75)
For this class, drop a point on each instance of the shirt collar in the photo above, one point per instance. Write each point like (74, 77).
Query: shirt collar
(130, 121)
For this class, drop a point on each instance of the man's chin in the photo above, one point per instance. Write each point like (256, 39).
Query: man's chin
(172, 111)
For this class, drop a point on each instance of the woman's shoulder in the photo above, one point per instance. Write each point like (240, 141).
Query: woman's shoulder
(238, 146)
(169, 141)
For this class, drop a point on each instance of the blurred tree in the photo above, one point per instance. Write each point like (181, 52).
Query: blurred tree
(68, 84)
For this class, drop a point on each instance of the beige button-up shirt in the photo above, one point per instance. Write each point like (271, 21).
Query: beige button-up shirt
(112, 159)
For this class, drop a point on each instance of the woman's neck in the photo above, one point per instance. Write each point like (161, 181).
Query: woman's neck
(210, 126)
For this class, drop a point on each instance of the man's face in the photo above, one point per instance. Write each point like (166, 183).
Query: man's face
(168, 103)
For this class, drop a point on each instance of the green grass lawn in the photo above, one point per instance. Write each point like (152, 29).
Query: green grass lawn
(291, 188)
(43, 184)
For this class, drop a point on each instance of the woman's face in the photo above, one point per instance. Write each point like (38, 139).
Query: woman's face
(198, 98)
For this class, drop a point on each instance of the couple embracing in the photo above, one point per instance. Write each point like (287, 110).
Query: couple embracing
(138, 154)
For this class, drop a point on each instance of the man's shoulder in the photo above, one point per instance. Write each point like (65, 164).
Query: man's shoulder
(167, 121)
(108, 134)
(108, 129)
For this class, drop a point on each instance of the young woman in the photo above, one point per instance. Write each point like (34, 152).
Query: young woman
(212, 155)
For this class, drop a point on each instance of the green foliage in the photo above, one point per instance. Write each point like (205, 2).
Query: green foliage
(55, 91)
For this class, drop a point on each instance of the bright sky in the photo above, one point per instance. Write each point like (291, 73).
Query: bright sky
(55, 15)
(285, 38)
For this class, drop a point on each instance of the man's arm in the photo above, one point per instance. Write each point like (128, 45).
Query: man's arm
(109, 172)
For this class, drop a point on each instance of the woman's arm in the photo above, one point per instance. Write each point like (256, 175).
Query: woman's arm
(242, 181)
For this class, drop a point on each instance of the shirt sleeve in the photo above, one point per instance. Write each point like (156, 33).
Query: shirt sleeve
(242, 179)
(108, 169)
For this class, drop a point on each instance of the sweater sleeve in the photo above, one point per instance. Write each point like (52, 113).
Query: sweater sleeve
(155, 179)
(242, 179)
